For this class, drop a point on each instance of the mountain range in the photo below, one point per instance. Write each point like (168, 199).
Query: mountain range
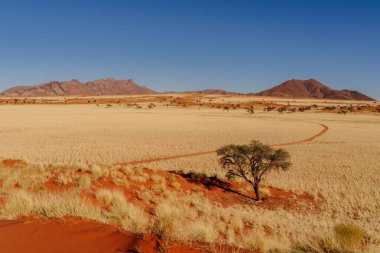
(108, 86)
(310, 88)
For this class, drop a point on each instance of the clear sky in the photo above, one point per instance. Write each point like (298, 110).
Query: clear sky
(236, 45)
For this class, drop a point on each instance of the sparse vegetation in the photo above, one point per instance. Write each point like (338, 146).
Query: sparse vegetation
(349, 235)
(347, 238)
(84, 182)
(180, 208)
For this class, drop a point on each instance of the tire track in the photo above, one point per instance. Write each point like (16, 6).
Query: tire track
(324, 130)
(309, 139)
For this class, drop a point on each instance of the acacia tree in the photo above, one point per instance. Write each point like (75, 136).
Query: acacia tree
(252, 162)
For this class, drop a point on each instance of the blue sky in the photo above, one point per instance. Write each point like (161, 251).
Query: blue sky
(244, 46)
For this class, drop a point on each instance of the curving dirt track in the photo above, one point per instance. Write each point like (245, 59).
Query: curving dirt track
(309, 139)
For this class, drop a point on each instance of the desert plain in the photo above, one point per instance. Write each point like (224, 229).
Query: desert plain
(142, 172)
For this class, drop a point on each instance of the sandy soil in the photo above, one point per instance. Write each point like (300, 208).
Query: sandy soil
(75, 235)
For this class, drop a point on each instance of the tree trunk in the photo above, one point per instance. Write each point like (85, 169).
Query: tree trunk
(256, 189)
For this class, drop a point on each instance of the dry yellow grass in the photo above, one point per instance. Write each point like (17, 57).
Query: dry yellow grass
(77, 134)
(340, 168)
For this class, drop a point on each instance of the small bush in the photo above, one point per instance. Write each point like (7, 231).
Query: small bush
(84, 182)
(142, 174)
(265, 192)
(318, 245)
(21, 203)
(137, 179)
(201, 231)
(254, 243)
(159, 188)
(158, 179)
(121, 182)
(172, 178)
(131, 217)
(63, 180)
(166, 220)
(114, 197)
(176, 185)
(104, 196)
(349, 235)
(197, 188)
(145, 196)
(96, 171)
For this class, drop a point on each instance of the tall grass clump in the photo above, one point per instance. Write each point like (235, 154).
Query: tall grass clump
(349, 235)
(347, 238)
(21, 203)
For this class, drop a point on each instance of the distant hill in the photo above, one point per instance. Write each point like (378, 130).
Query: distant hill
(207, 92)
(108, 86)
(311, 89)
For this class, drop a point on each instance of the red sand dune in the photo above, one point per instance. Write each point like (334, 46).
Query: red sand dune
(57, 236)
(74, 235)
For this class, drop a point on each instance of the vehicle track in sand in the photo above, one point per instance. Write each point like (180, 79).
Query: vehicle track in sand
(309, 139)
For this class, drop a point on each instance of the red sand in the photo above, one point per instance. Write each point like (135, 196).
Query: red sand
(74, 235)
(12, 163)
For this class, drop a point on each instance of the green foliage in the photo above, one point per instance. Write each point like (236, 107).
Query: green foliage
(252, 162)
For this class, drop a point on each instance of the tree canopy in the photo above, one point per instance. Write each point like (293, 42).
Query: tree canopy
(252, 162)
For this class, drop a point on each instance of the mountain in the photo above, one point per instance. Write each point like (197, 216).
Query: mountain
(206, 92)
(311, 89)
(108, 86)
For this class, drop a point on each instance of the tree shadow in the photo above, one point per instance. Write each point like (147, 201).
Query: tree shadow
(209, 182)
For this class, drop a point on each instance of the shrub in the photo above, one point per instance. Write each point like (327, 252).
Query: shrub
(201, 231)
(254, 242)
(318, 245)
(96, 171)
(137, 179)
(158, 179)
(166, 220)
(21, 203)
(84, 182)
(172, 178)
(114, 197)
(145, 196)
(104, 196)
(176, 185)
(349, 235)
(197, 188)
(121, 182)
(159, 188)
(131, 217)
(265, 192)
(63, 180)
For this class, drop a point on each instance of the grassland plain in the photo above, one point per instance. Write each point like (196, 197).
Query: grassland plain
(77, 134)
(340, 168)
